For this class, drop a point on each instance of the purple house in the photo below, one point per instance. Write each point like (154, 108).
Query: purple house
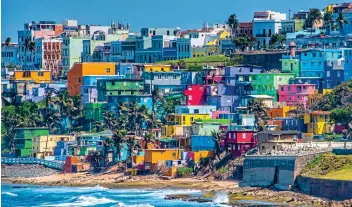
(228, 103)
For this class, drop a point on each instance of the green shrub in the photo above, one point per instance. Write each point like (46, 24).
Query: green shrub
(222, 170)
(184, 171)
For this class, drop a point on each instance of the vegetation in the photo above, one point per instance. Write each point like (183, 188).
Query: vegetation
(327, 18)
(314, 18)
(217, 137)
(339, 102)
(243, 42)
(233, 24)
(330, 166)
(341, 21)
(184, 171)
(258, 108)
(277, 40)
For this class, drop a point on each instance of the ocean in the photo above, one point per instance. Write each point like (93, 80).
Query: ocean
(31, 195)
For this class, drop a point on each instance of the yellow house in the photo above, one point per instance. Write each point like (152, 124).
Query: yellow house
(281, 111)
(318, 122)
(44, 145)
(202, 154)
(184, 119)
(176, 131)
(155, 155)
(40, 76)
(198, 51)
(157, 68)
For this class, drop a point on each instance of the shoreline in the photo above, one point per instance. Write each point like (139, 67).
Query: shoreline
(208, 187)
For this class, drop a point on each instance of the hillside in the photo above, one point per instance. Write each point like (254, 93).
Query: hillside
(330, 166)
(205, 59)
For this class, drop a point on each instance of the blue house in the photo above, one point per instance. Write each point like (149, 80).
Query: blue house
(170, 52)
(223, 103)
(227, 47)
(199, 142)
(184, 49)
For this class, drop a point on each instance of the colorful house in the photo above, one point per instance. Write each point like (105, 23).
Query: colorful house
(176, 131)
(268, 83)
(167, 82)
(200, 128)
(202, 142)
(291, 65)
(44, 145)
(24, 139)
(282, 112)
(195, 109)
(185, 119)
(278, 140)
(318, 122)
(240, 141)
(154, 156)
(195, 94)
(78, 70)
(157, 68)
(94, 111)
(36, 76)
(293, 94)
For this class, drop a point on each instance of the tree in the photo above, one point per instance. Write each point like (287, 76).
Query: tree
(277, 39)
(258, 108)
(157, 96)
(7, 44)
(243, 42)
(131, 147)
(29, 45)
(233, 23)
(327, 19)
(314, 18)
(217, 136)
(118, 137)
(341, 21)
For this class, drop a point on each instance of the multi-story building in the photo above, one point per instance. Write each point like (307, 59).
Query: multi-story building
(48, 55)
(265, 24)
(44, 145)
(123, 51)
(91, 46)
(346, 10)
(40, 76)
(293, 94)
(167, 82)
(268, 83)
(291, 63)
(195, 109)
(24, 139)
(240, 141)
(89, 91)
(31, 32)
(78, 70)
(246, 28)
(71, 51)
(318, 122)
(9, 55)
(195, 94)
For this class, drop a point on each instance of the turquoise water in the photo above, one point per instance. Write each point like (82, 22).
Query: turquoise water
(30, 196)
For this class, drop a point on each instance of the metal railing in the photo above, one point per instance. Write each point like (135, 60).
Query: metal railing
(46, 163)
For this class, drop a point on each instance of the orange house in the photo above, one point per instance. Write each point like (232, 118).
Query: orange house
(36, 76)
(78, 70)
(281, 112)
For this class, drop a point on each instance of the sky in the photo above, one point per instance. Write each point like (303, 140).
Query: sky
(186, 14)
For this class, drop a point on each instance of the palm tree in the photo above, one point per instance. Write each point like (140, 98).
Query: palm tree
(327, 19)
(242, 42)
(148, 138)
(29, 45)
(31, 49)
(131, 146)
(233, 23)
(341, 21)
(157, 96)
(314, 18)
(217, 136)
(258, 108)
(7, 44)
(117, 138)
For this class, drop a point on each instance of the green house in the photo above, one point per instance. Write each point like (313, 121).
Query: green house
(268, 83)
(23, 139)
(94, 111)
(291, 65)
(115, 87)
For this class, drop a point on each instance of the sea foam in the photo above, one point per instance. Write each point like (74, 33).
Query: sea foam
(8, 193)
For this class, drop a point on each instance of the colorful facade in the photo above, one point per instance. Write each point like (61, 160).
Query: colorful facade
(294, 94)
(78, 70)
(240, 141)
(24, 139)
(195, 94)
(42, 76)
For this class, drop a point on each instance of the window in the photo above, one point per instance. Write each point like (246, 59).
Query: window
(190, 98)
(166, 77)
(338, 73)
(244, 135)
(113, 83)
(289, 88)
(282, 88)
(40, 74)
(79, 80)
(162, 69)
(305, 54)
(174, 77)
(327, 73)
(159, 77)
(196, 111)
(267, 77)
(192, 118)
(314, 54)
(107, 70)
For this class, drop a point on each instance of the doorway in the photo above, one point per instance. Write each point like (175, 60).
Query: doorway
(276, 175)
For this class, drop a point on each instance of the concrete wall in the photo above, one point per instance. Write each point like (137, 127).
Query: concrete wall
(261, 170)
(331, 189)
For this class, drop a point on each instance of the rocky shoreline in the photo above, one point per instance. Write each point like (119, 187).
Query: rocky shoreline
(208, 186)
(25, 171)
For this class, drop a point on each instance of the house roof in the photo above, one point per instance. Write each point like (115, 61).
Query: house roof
(280, 132)
(320, 112)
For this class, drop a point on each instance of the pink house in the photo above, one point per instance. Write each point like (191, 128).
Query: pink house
(296, 93)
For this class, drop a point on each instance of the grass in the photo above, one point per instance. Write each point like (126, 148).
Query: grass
(330, 166)
(343, 174)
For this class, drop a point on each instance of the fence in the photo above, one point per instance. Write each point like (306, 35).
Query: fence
(46, 163)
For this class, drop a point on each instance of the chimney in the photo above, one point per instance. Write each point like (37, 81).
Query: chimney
(292, 48)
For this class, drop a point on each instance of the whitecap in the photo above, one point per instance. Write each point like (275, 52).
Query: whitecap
(121, 204)
(86, 201)
(221, 198)
(8, 193)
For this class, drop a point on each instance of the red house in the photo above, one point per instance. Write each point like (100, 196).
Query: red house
(240, 141)
(195, 94)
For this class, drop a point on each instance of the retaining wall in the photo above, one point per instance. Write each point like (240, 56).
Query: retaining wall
(331, 189)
